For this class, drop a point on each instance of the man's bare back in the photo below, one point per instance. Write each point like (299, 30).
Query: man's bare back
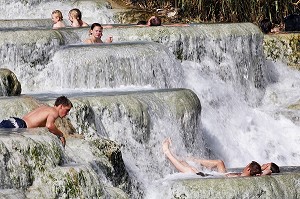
(39, 116)
(43, 116)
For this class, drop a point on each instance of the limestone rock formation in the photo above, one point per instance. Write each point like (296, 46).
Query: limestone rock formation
(283, 47)
(9, 83)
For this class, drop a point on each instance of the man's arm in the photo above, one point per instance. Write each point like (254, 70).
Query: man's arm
(53, 129)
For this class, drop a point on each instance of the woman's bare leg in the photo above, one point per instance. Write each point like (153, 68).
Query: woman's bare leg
(181, 166)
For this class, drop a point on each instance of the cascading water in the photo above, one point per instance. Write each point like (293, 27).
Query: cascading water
(244, 99)
(93, 10)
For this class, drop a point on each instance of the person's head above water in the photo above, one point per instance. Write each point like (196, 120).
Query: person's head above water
(63, 105)
(154, 21)
(96, 30)
(75, 13)
(252, 169)
(95, 25)
(270, 168)
(63, 100)
(57, 15)
(274, 168)
(75, 18)
(265, 26)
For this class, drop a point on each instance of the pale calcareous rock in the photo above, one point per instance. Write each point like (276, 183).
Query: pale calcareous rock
(9, 83)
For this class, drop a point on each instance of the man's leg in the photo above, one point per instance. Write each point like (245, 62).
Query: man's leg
(219, 164)
(179, 165)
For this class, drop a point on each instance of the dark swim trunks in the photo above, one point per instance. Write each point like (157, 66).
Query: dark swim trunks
(203, 174)
(13, 122)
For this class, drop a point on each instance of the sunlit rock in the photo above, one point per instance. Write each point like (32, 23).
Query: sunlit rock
(283, 47)
(9, 83)
(34, 162)
(25, 154)
(274, 186)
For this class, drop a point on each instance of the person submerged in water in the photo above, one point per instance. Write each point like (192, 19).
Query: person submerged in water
(252, 169)
(96, 34)
(43, 116)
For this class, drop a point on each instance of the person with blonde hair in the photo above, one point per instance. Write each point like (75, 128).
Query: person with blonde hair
(75, 18)
(57, 19)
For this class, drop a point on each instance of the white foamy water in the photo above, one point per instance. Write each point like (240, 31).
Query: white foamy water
(240, 123)
(92, 11)
(238, 132)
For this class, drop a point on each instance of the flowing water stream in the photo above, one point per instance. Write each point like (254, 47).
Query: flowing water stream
(244, 98)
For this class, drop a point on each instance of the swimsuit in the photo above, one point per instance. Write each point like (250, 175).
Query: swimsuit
(13, 122)
(203, 174)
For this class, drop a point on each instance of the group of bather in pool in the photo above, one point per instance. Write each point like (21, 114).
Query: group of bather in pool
(252, 169)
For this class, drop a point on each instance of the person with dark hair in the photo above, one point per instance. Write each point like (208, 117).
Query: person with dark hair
(265, 26)
(43, 116)
(154, 21)
(75, 18)
(269, 168)
(96, 34)
(252, 169)
(292, 22)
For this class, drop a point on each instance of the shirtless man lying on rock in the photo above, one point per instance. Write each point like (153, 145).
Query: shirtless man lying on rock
(43, 116)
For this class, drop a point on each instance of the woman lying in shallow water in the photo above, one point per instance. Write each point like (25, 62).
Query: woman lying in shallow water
(252, 169)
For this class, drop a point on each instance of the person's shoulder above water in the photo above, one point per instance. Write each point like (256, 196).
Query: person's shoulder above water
(75, 17)
(95, 35)
(57, 19)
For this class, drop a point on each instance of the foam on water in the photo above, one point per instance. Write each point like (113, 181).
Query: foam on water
(240, 123)
(92, 11)
(239, 132)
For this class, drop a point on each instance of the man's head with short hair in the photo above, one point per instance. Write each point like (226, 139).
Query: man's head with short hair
(63, 100)
(63, 105)
(252, 169)
(255, 168)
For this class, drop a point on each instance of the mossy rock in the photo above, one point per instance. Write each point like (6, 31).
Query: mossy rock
(9, 84)
(283, 47)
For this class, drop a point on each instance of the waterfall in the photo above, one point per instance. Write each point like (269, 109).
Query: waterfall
(111, 66)
(207, 86)
(42, 9)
